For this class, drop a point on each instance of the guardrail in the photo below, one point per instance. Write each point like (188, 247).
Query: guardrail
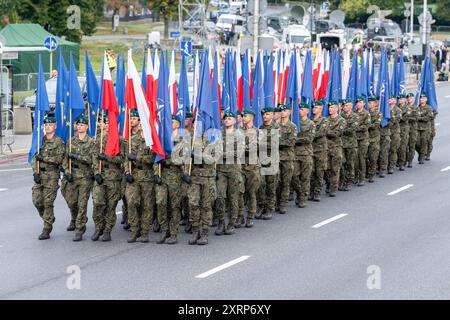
(7, 133)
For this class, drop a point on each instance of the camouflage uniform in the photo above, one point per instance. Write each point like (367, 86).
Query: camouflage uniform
(288, 136)
(385, 144)
(362, 137)
(303, 160)
(373, 152)
(77, 193)
(413, 116)
(404, 134)
(44, 193)
(394, 126)
(432, 135)
(140, 192)
(334, 135)
(350, 149)
(424, 121)
(107, 195)
(320, 159)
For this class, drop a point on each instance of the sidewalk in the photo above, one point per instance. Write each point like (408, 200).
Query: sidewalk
(20, 148)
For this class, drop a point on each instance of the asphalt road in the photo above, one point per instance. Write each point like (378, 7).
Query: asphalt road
(399, 244)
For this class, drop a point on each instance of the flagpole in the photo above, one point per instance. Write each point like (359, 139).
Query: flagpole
(89, 116)
(70, 140)
(128, 114)
(101, 142)
(39, 137)
(193, 141)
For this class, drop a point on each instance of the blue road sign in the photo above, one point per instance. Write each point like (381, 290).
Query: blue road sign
(175, 34)
(186, 47)
(50, 43)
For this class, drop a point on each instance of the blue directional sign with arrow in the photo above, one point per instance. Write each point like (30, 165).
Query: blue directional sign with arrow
(50, 43)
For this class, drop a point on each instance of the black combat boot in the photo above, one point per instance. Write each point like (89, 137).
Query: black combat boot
(203, 238)
(409, 165)
(316, 197)
(220, 229)
(188, 227)
(215, 222)
(239, 222)
(143, 238)
(361, 183)
(132, 238)
(259, 213)
(390, 171)
(382, 174)
(427, 158)
(332, 194)
(194, 236)
(106, 236)
(230, 229)
(126, 225)
(283, 210)
(301, 203)
(311, 197)
(249, 223)
(156, 226)
(163, 237)
(402, 168)
(172, 239)
(268, 214)
(96, 235)
(45, 234)
(71, 226)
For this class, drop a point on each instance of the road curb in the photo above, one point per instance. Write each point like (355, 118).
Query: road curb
(5, 158)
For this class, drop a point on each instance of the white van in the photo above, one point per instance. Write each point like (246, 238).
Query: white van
(295, 36)
(227, 21)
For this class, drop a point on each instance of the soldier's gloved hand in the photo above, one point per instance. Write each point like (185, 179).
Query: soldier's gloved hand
(39, 157)
(98, 178)
(61, 169)
(129, 178)
(68, 177)
(157, 179)
(186, 179)
(37, 178)
(131, 157)
(73, 156)
(102, 156)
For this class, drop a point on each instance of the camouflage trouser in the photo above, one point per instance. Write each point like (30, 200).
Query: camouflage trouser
(228, 188)
(201, 194)
(348, 166)
(320, 161)
(168, 201)
(252, 181)
(393, 151)
(403, 150)
(431, 138)
(241, 199)
(284, 181)
(302, 176)
(385, 145)
(184, 202)
(106, 196)
(334, 168)
(373, 153)
(77, 197)
(360, 164)
(140, 196)
(412, 145)
(267, 192)
(124, 201)
(44, 196)
(423, 138)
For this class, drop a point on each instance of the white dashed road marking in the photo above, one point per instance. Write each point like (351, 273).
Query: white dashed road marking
(400, 189)
(445, 169)
(222, 267)
(9, 170)
(437, 124)
(3, 189)
(321, 224)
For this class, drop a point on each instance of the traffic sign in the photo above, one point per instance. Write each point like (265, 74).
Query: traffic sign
(186, 48)
(175, 34)
(50, 43)
(407, 13)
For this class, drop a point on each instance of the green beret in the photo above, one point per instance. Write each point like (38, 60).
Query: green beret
(267, 109)
(423, 95)
(409, 95)
(401, 96)
(333, 102)
(134, 113)
(304, 105)
(247, 112)
(189, 115)
(318, 103)
(392, 96)
(372, 98)
(82, 119)
(50, 118)
(229, 114)
(361, 98)
(276, 109)
(284, 107)
(345, 101)
(176, 118)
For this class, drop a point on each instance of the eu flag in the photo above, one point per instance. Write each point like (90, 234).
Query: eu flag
(92, 96)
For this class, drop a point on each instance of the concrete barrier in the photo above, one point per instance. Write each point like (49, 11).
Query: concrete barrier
(22, 120)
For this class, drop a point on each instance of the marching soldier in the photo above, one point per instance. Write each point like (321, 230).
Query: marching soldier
(139, 190)
(288, 134)
(413, 116)
(46, 174)
(303, 156)
(394, 126)
(320, 147)
(188, 119)
(404, 132)
(269, 169)
(362, 137)
(78, 173)
(229, 175)
(168, 186)
(349, 145)
(385, 145)
(107, 188)
(373, 152)
(336, 127)
(424, 121)
(432, 135)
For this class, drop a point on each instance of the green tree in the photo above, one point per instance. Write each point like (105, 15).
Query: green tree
(443, 11)
(8, 11)
(167, 10)
(34, 11)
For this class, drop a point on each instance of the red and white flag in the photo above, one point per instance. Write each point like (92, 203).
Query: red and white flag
(287, 62)
(320, 74)
(325, 76)
(196, 82)
(239, 82)
(173, 85)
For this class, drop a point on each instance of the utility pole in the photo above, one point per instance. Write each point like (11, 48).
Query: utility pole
(424, 28)
(255, 29)
(412, 20)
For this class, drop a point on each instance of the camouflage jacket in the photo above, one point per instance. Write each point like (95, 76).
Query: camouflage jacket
(53, 151)
(413, 116)
(288, 134)
(374, 126)
(233, 147)
(112, 169)
(320, 139)
(406, 115)
(349, 134)
(303, 143)
(362, 131)
(336, 128)
(251, 148)
(142, 168)
(204, 162)
(424, 117)
(82, 167)
(394, 122)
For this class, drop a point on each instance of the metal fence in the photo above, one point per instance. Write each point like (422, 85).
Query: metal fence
(27, 81)
(7, 133)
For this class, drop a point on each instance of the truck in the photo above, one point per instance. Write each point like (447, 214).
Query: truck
(295, 36)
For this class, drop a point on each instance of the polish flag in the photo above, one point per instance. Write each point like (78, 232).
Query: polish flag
(287, 63)
(275, 76)
(320, 74)
(109, 103)
(135, 99)
(219, 82)
(326, 74)
(298, 61)
(346, 72)
(196, 82)
(173, 85)
(316, 67)
(149, 79)
(211, 64)
(250, 75)
(280, 72)
(239, 82)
